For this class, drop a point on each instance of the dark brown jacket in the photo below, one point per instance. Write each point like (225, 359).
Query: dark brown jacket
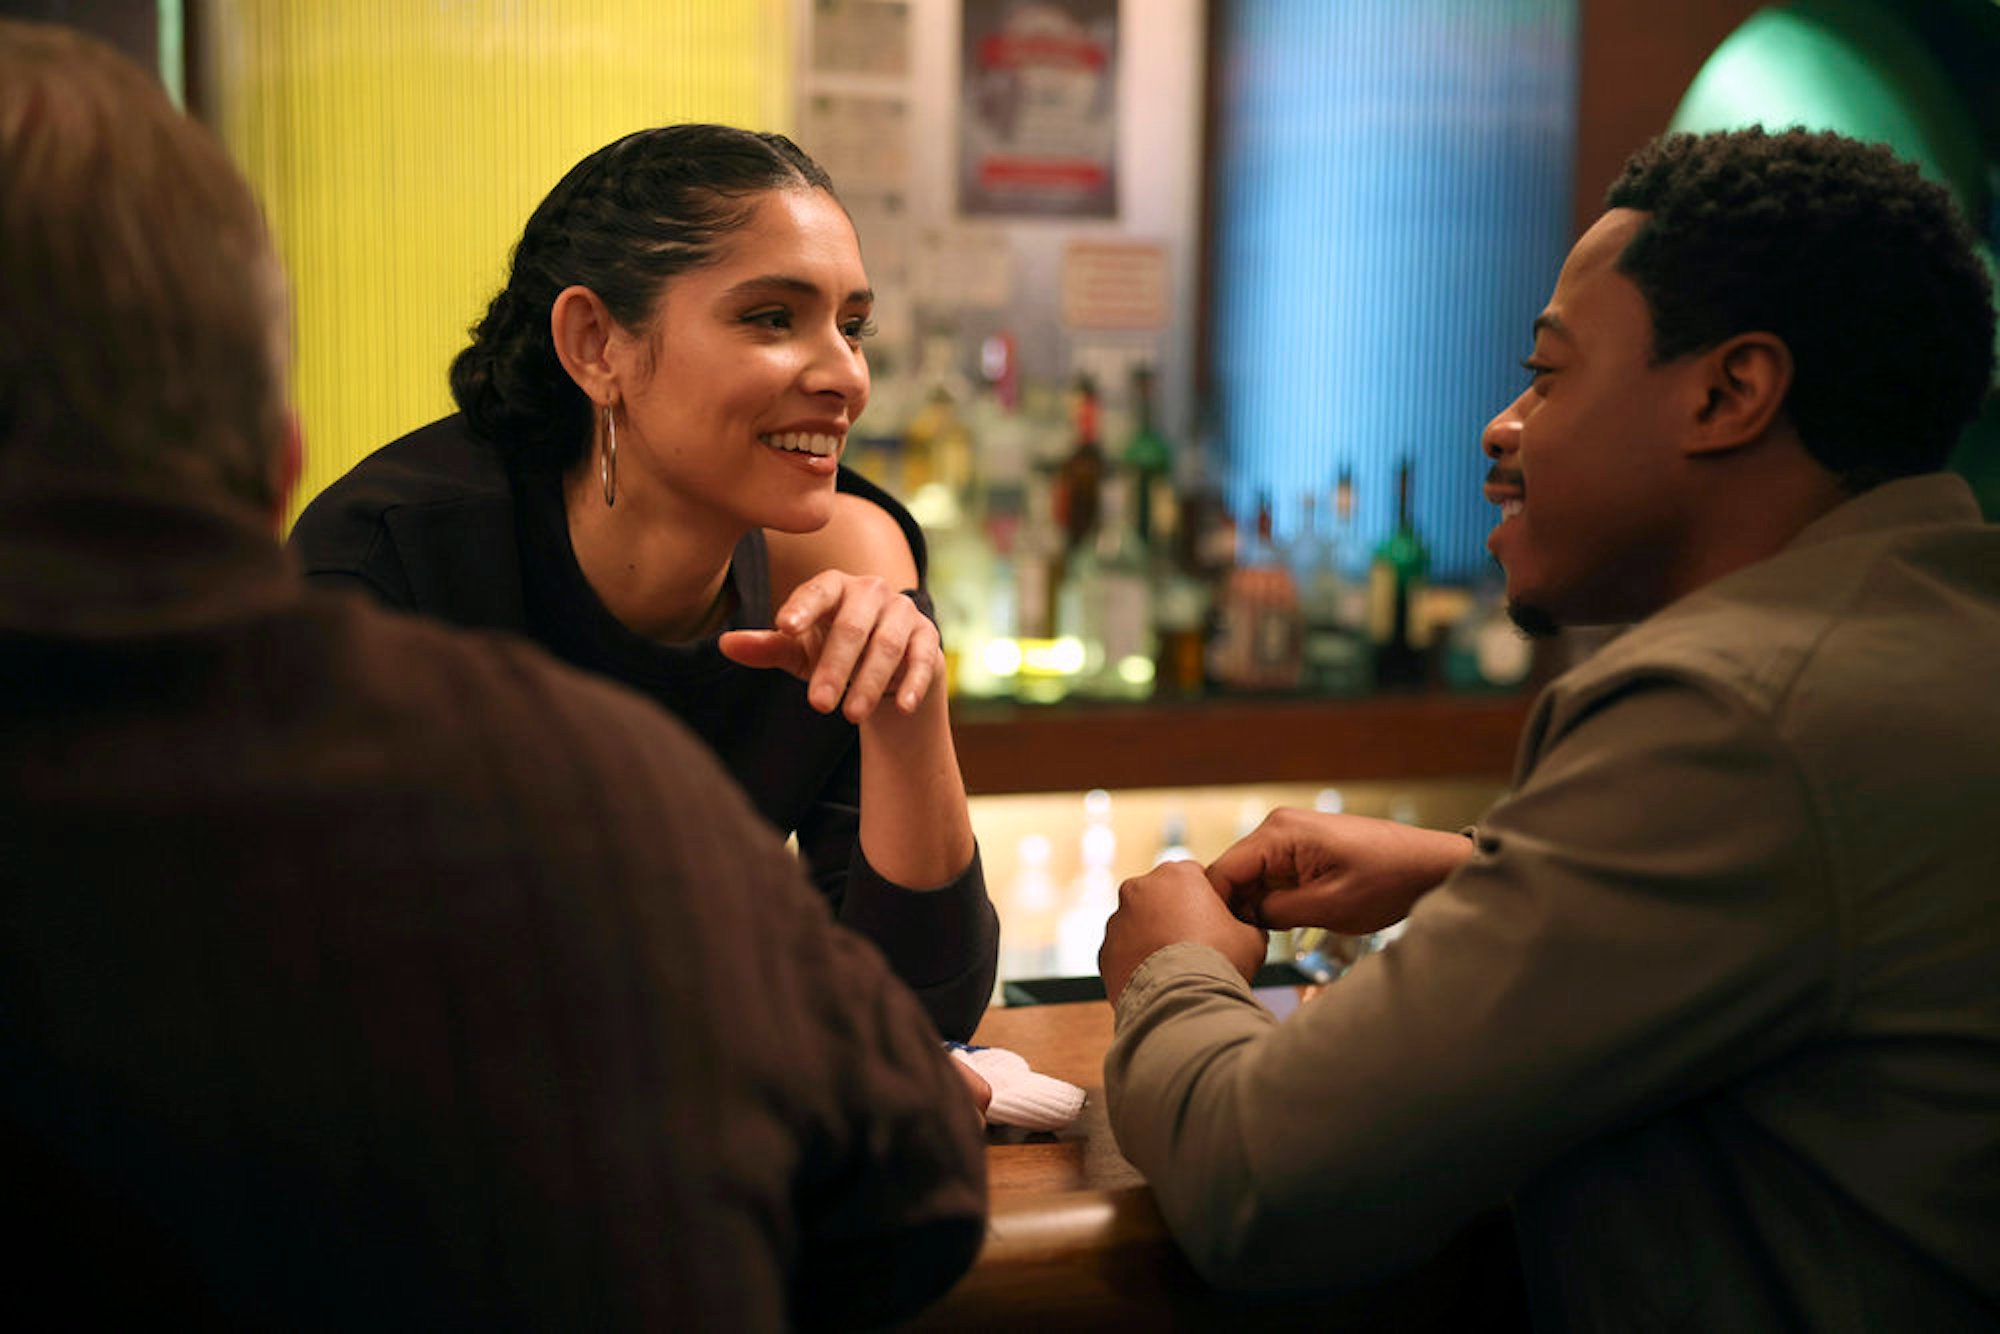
(355, 971)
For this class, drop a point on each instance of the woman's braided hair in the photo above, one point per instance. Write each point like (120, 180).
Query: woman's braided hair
(622, 222)
(1863, 268)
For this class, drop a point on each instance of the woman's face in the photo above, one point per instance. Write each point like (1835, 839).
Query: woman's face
(738, 399)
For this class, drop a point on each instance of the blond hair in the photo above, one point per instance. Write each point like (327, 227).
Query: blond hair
(142, 309)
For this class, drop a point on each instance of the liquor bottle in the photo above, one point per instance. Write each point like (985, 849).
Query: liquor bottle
(1350, 556)
(1077, 615)
(875, 445)
(1037, 561)
(1082, 473)
(1337, 657)
(1149, 461)
(1003, 436)
(1397, 626)
(1118, 600)
(1258, 644)
(962, 571)
(1279, 638)
(1205, 530)
(937, 451)
(1051, 422)
(1181, 603)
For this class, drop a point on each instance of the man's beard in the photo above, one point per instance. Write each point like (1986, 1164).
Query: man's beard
(1532, 621)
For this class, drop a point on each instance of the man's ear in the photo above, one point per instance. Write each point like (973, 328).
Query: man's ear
(582, 328)
(1744, 381)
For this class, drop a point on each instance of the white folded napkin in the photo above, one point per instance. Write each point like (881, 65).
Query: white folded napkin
(1020, 1096)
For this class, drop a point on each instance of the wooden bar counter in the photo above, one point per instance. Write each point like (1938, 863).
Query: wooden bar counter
(1075, 1241)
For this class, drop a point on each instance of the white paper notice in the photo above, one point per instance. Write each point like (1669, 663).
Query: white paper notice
(1114, 285)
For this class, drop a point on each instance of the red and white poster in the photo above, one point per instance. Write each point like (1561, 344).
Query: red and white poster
(1038, 117)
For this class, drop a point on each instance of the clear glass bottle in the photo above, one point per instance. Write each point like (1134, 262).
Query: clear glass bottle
(1181, 609)
(960, 578)
(1336, 656)
(1351, 556)
(1259, 635)
(937, 449)
(1118, 600)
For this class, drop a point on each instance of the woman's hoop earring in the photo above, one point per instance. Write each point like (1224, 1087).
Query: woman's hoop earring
(607, 457)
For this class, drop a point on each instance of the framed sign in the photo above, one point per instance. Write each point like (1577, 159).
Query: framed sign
(1038, 115)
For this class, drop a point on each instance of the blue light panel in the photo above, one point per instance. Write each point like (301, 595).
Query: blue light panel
(1392, 205)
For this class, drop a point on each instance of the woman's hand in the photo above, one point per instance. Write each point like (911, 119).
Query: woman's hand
(976, 1088)
(853, 639)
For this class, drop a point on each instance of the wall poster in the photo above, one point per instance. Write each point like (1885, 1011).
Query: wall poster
(1038, 113)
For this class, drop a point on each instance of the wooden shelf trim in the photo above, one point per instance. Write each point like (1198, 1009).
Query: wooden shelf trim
(1006, 748)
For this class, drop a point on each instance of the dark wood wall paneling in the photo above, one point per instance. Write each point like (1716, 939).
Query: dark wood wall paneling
(1634, 60)
(133, 26)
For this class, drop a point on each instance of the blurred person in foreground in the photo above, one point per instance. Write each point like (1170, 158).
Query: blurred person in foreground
(356, 971)
(1712, 998)
(644, 477)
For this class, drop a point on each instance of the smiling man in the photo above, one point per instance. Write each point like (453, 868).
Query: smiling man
(1712, 999)
(1704, 477)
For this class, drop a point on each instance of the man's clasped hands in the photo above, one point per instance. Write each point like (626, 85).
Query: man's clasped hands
(1349, 874)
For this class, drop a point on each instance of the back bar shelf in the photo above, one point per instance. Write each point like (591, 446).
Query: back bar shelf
(1006, 747)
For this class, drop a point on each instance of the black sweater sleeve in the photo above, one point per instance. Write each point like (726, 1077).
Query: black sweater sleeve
(943, 941)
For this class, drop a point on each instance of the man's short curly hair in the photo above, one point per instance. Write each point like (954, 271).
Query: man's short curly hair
(1863, 268)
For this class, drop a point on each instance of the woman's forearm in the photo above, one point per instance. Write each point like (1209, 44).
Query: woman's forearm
(915, 828)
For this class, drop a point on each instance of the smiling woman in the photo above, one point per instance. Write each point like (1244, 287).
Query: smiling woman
(731, 399)
(645, 477)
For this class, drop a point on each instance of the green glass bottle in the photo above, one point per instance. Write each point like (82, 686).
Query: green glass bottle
(1397, 627)
(1149, 461)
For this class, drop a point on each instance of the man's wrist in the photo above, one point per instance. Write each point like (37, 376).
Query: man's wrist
(1169, 963)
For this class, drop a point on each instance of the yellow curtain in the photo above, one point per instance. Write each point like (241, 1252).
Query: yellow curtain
(398, 147)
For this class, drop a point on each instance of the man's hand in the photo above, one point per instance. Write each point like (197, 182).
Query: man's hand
(1347, 873)
(1169, 904)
